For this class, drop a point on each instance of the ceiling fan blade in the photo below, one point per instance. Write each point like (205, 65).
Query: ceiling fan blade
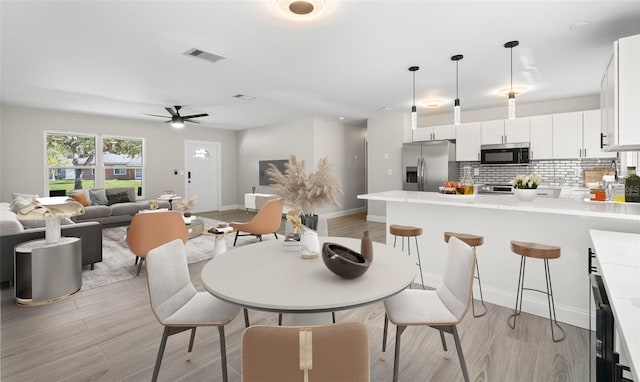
(195, 116)
(155, 115)
(173, 113)
(190, 121)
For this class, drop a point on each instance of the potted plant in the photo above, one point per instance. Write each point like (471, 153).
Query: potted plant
(307, 192)
(186, 205)
(525, 186)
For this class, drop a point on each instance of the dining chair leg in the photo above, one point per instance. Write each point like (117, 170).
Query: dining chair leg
(276, 234)
(163, 343)
(236, 238)
(137, 258)
(223, 353)
(444, 345)
(384, 336)
(463, 364)
(193, 337)
(246, 318)
(396, 359)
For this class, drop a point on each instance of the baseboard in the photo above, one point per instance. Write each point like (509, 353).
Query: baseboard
(232, 207)
(337, 214)
(376, 218)
(530, 304)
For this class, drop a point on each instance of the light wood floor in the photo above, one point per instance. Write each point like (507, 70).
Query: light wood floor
(110, 334)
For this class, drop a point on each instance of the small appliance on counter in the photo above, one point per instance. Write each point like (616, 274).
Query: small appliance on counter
(495, 189)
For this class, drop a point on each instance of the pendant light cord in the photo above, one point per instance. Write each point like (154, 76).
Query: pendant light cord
(511, 69)
(414, 88)
(457, 80)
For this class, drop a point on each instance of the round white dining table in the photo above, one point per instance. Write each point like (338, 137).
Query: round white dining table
(264, 276)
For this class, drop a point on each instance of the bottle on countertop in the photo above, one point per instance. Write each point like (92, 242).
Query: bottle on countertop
(467, 181)
(366, 247)
(632, 186)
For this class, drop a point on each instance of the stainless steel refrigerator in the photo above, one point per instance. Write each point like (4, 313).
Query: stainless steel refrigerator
(427, 165)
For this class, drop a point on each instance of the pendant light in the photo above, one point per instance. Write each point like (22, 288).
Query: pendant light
(456, 103)
(512, 95)
(414, 112)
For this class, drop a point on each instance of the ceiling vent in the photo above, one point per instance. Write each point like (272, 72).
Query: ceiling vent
(203, 55)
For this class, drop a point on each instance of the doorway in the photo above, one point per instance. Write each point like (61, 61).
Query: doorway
(202, 174)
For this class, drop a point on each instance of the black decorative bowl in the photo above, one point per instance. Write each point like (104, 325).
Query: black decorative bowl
(343, 261)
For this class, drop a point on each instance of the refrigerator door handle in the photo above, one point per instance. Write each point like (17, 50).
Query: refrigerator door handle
(424, 175)
(420, 174)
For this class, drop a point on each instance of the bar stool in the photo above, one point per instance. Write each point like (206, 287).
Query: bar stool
(472, 241)
(408, 232)
(536, 251)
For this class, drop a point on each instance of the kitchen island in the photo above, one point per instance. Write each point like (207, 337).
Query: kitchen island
(501, 218)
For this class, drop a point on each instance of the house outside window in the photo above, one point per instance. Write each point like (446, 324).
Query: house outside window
(122, 158)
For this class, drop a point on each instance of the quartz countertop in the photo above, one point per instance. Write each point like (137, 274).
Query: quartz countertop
(618, 255)
(562, 206)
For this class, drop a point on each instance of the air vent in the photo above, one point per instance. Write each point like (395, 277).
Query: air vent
(244, 97)
(203, 55)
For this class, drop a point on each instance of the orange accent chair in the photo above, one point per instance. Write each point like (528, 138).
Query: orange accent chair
(150, 230)
(266, 221)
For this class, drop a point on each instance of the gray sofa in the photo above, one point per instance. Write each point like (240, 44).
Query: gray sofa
(12, 233)
(118, 213)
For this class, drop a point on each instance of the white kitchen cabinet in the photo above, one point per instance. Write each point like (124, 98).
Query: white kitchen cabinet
(567, 135)
(591, 136)
(434, 133)
(541, 137)
(620, 96)
(468, 140)
(505, 130)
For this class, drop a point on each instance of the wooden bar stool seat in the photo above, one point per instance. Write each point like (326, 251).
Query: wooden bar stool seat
(407, 231)
(472, 241)
(546, 253)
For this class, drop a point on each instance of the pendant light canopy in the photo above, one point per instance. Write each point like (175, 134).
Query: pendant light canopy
(456, 103)
(512, 95)
(414, 112)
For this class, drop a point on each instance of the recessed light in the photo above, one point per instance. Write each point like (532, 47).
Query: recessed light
(433, 103)
(301, 8)
(341, 118)
(244, 97)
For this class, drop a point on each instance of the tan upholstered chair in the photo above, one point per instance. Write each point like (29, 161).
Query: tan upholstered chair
(333, 353)
(176, 303)
(266, 221)
(441, 308)
(150, 230)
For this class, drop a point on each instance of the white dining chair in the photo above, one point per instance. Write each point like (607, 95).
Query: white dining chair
(176, 303)
(442, 308)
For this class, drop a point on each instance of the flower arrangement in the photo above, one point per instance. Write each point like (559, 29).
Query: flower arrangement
(186, 205)
(529, 181)
(307, 192)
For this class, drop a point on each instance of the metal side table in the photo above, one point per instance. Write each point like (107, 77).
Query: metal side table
(45, 272)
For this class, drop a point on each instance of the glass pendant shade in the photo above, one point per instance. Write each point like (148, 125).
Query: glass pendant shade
(512, 105)
(414, 118)
(414, 111)
(456, 112)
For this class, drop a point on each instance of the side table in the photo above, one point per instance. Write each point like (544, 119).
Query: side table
(46, 273)
(219, 244)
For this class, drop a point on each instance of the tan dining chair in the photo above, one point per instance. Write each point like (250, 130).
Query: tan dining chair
(266, 221)
(442, 308)
(150, 230)
(329, 353)
(176, 303)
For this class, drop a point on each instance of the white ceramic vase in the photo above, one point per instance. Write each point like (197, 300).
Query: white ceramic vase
(309, 242)
(525, 194)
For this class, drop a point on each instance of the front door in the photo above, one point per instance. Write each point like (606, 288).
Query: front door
(202, 174)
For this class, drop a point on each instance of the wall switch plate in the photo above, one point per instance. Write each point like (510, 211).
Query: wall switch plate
(476, 171)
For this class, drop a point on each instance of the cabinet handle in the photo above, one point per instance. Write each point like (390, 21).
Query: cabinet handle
(505, 139)
(478, 156)
(530, 154)
(602, 140)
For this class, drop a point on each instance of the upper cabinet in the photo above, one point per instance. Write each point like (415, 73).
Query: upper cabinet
(541, 135)
(505, 131)
(620, 97)
(577, 135)
(434, 133)
(468, 142)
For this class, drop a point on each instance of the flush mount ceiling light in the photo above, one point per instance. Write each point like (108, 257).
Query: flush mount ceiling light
(512, 95)
(518, 90)
(414, 112)
(456, 103)
(433, 103)
(301, 8)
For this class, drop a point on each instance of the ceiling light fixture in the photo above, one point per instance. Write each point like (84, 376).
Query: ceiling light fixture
(512, 96)
(301, 8)
(456, 103)
(517, 90)
(433, 103)
(414, 112)
(177, 122)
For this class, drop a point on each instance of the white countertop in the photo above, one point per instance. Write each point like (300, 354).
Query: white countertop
(619, 257)
(562, 206)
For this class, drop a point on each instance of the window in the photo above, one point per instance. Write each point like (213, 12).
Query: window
(72, 161)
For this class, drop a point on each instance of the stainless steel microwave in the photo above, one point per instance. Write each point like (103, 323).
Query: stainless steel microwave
(505, 153)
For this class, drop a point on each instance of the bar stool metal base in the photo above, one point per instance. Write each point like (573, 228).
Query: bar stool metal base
(481, 312)
(419, 263)
(511, 321)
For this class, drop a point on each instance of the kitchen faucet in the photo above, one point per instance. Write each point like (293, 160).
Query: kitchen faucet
(615, 169)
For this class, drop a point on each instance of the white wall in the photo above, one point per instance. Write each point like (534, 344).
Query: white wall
(310, 139)
(22, 157)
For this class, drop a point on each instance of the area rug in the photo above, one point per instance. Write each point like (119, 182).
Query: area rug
(118, 262)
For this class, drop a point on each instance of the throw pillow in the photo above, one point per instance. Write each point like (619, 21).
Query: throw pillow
(80, 198)
(118, 197)
(99, 197)
(20, 202)
(15, 195)
(83, 191)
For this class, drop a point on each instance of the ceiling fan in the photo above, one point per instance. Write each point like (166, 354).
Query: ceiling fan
(178, 120)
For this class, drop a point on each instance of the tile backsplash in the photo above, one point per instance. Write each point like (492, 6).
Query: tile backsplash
(556, 172)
